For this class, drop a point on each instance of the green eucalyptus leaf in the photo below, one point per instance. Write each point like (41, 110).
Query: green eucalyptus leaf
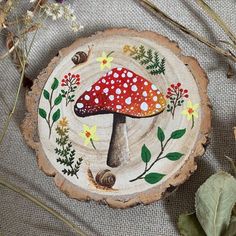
(46, 94)
(160, 134)
(214, 202)
(153, 178)
(178, 134)
(231, 231)
(145, 154)
(174, 156)
(58, 100)
(188, 225)
(55, 84)
(42, 113)
(56, 115)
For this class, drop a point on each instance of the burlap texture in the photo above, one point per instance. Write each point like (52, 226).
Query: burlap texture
(18, 163)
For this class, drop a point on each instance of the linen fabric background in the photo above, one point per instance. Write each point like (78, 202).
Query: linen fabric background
(18, 163)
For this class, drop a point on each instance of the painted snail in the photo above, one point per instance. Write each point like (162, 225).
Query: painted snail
(81, 57)
(105, 178)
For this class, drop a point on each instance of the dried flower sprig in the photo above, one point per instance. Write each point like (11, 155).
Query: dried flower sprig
(18, 30)
(156, 11)
(42, 205)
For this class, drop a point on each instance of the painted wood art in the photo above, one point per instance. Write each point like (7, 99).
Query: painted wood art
(119, 117)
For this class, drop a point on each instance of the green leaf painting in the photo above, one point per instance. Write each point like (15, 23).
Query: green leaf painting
(46, 94)
(214, 202)
(58, 100)
(55, 84)
(49, 114)
(42, 113)
(178, 134)
(147, 57)
(56, 115)
(145, 154)
(188, 225)
(174, 156)
(153, 178)
(160, 134)
(64, 150)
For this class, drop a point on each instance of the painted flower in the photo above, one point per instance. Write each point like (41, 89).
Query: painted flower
(105, 60)
(63, 122)
(191, 111)
(89, 135)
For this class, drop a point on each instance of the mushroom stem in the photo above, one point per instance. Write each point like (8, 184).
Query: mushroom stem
(118, 152)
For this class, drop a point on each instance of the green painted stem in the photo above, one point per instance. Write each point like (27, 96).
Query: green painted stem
(192, 122)
(42, 205)
(91, 140)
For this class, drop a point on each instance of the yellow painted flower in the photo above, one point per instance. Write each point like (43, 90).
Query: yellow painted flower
(63, 122)
(89, 135)
(105, 60)
(191, 111)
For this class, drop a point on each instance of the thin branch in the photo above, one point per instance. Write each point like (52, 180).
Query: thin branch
(217, 19)
(156, 11)
(42, 205)
(10, 50)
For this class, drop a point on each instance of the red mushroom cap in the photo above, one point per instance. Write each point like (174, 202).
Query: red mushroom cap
(121, 91)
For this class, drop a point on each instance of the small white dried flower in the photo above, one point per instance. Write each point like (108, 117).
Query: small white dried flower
(30, 14)
(54, 10)
(32, 1)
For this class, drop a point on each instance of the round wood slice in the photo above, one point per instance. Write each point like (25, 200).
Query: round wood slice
(119, 117)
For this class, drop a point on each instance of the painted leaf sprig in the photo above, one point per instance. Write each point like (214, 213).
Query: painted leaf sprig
(70, 82)
(65, 150)
(176, 95)
(154, 177)
(52, 115)
(147, 57)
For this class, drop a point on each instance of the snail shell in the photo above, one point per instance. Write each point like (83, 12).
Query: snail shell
(79, 57)
(105, 178)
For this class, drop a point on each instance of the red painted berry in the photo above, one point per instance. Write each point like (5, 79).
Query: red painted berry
(178, 84)
(186, 95)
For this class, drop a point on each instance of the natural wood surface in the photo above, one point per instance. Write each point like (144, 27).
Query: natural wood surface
(165, 142)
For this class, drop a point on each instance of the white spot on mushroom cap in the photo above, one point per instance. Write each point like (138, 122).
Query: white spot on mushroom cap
(134, 80)
(123, 75)
(104, 81)
(144, 106)
(96, 100)
(134, 88)
(118, 106)
(80, 105)
(97, 87)
(154, 98)
(158, 105)
(119, 68)
(158, 92)
(105, 90)
(110, 73)
(153, 87)
(118, 91)
(145, 83)
(115, 75)
(128, 100)
(144, 93)
(130, 74)
(86, 97)
(125, 85)
(111, 97)
(112, 81)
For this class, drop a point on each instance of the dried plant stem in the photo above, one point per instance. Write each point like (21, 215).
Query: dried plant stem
(42, 205)
(217, 19)
(156, 11)
(5, 127)
(10, 50)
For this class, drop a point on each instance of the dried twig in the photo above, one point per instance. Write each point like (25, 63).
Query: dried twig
(218, 20)
(156, 11)
(42, 205)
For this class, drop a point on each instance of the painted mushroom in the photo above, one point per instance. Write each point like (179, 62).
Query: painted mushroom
(123, 93)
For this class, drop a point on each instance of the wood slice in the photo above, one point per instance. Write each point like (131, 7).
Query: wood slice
(119, 117)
